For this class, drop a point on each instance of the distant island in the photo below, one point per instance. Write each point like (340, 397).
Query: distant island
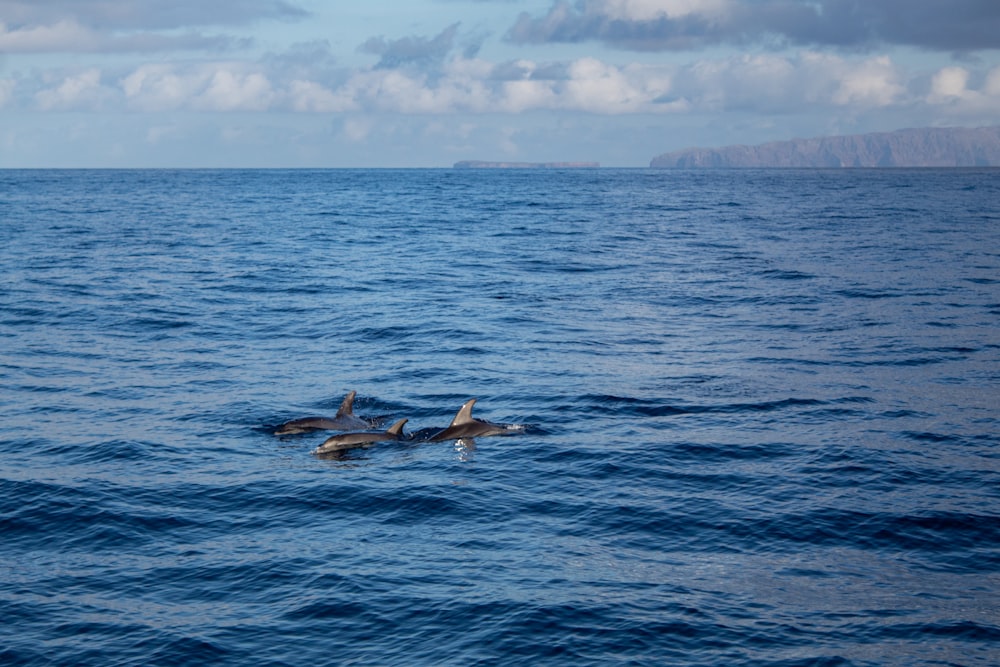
(919, 147)
(480, 164)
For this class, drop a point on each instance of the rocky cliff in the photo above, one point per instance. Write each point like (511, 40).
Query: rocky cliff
(921, 147)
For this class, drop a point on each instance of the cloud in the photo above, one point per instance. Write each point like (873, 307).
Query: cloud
(312, 97)
(768, 83)
(47, 38)
(674, 25)
(302, 60)
(630, 24)
(953, 92)
(602, 88)
(90, 26)
(417, 51)
(773, 84)
(79, 91)
(148, 14)
(205, 87)
(476, 86)
(787, 84)
(949, 82)
(872, 83)
(523, 86)
(210, 86)
(157, 87)
(67, 36)
(230, 90)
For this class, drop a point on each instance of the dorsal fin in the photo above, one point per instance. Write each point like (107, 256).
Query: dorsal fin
(347, 407)
(397, 428)
(464, 415)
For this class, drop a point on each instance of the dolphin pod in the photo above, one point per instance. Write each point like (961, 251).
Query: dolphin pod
(357, 433)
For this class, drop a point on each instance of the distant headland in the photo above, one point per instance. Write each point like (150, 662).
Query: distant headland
(918, 147)
(481, 164)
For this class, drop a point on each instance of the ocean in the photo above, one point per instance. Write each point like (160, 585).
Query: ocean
(760, 411)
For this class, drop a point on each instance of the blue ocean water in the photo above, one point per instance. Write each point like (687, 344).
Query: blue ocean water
(762, 409)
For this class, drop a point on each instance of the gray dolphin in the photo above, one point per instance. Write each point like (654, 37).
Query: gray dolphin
(344, 421)
(342, 441)
(464, 425)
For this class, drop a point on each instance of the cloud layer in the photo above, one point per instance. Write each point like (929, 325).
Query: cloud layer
(768, 83)
(676, 25)
(147, 14)
(98, 26)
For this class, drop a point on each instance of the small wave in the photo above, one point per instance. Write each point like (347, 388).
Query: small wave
(791, 275)
(622, 405)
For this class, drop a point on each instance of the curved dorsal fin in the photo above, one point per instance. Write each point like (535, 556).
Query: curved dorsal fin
(464, 415)
(347, 407)
(397, 428)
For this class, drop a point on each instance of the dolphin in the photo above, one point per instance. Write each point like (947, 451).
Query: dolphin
(464, 425)
(342, 441)
(344, 421)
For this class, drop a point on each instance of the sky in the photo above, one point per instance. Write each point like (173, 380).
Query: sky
(426, 83)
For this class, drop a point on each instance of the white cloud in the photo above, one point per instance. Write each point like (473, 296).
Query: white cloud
(205, 87)
(526, 95)
(396, 91)
(471, 85)
(602, 88)
(458, 88)
(311, 97)
(873, 82)
(157, 87)
(80, 90)
(766, 83)
(773, 83)
(229, 90)
(952, 93)
(949, 82)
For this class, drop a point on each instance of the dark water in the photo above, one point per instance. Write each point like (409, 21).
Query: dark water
(764, 409)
